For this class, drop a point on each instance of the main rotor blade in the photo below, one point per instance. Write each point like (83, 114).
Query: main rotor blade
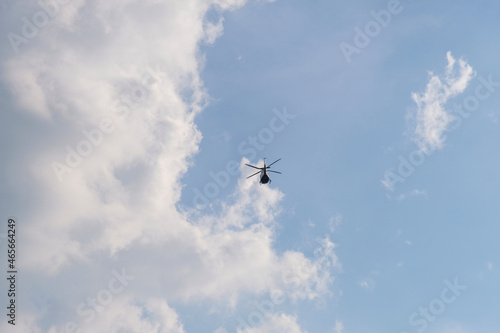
(253, 166)
(253, 174)
(273, 162)
(273, 171)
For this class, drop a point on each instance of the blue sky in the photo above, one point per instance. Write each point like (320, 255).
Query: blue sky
(350, 128)
(351, 240)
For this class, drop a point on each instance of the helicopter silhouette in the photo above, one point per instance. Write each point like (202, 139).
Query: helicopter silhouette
(264, 178)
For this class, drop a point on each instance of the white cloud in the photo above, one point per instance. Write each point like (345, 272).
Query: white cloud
(339, 327)
(213, 31)
(127, 314)
(118, 207)
(277, 323)
(306, 279)
(431, 117)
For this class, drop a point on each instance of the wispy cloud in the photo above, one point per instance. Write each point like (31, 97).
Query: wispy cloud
(431, 117)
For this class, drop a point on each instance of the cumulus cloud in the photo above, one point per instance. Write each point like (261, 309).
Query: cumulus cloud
(102, 102)
(127, 315)
(431, 117)
(277, 323)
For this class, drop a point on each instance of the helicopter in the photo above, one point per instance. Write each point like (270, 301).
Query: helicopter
(264, 178)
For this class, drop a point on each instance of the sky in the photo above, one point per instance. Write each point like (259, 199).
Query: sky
(126, 127)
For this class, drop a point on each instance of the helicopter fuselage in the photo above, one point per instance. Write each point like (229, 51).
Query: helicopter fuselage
(264, 179)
